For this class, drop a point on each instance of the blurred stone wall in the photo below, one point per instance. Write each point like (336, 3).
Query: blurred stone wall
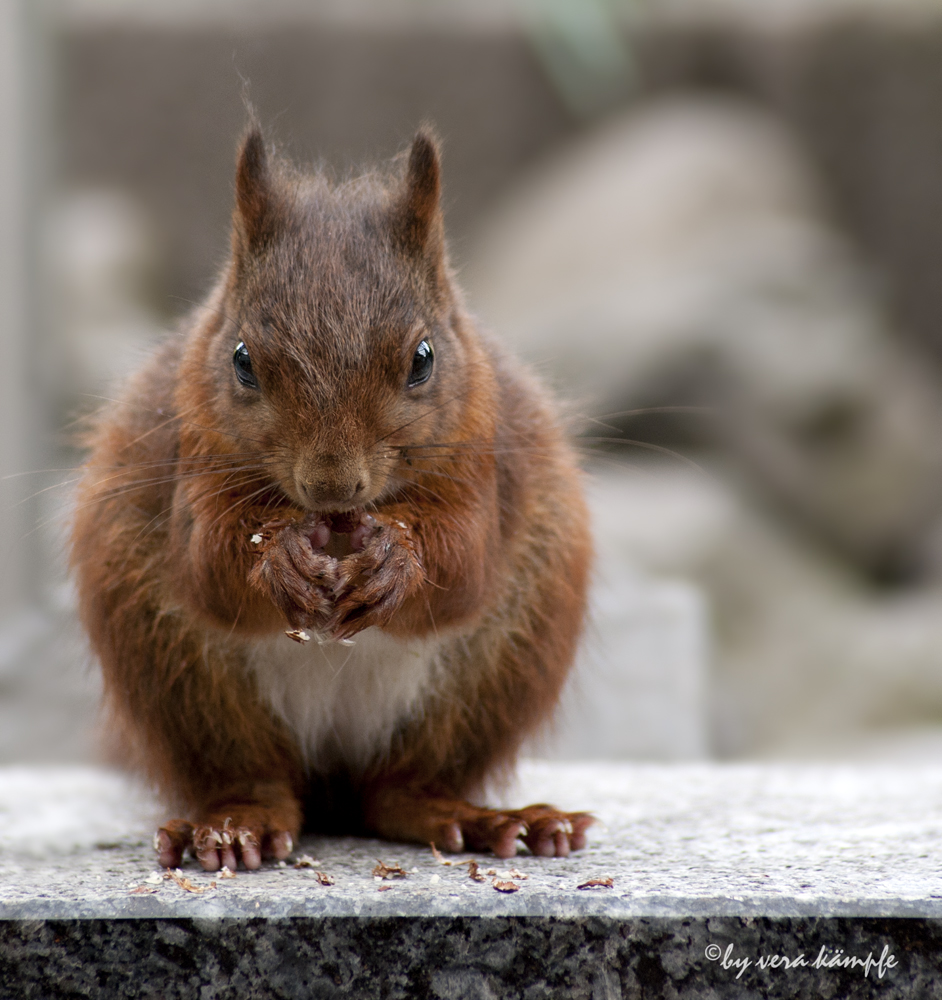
(156, 111)
(863, 89)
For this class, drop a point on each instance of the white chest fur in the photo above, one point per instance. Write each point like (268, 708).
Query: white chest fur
(343, 703)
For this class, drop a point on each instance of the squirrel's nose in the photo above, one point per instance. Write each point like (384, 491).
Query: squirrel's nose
(325, 494)
(332, 483)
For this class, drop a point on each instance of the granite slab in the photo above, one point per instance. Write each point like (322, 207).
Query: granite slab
(726, 880)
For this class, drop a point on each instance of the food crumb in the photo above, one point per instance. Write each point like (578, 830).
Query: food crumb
(473, 872)
(600, 883)
(388, 871)
(185, 884)
(505, 886)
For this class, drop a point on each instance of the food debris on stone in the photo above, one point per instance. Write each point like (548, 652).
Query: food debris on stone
(185, 884)
(505, 886)
(388, 871)
(597, 883)
(473, 872)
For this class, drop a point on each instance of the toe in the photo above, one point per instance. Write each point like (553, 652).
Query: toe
(249, 848)
(450, 838)
(207, 843)
(580, 822)
(227, 858)
(209, 859)
(319, 536)
(504, 841)
(169, 855)
(541, 838)
(280, 845)
(171, 842)
(561, 844)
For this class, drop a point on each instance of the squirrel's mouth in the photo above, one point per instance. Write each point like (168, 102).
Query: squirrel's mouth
(343, 532)
(344, 522)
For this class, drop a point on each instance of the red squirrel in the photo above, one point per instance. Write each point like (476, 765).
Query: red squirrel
(331, 544)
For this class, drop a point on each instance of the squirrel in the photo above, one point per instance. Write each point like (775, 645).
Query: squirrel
(331, 545)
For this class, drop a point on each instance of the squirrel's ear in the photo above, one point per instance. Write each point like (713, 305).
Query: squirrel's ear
(253, 192)
(420, 208)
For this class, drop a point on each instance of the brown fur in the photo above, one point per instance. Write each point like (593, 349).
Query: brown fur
(481, 537)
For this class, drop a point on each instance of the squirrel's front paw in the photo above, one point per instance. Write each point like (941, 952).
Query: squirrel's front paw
(374, 581)
(294, 572)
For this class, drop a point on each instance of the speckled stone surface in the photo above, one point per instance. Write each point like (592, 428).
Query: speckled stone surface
(710, 865)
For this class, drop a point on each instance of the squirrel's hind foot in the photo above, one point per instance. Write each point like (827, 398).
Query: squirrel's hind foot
(457, 826)
(223, 842)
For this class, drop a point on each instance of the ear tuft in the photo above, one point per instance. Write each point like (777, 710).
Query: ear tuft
(253, 189)
(421, 207)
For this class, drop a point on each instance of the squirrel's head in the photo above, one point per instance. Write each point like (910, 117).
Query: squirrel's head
(335, 342)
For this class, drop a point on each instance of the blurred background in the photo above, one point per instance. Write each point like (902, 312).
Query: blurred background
(715, 226)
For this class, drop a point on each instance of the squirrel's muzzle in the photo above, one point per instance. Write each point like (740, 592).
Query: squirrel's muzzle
(332, 481)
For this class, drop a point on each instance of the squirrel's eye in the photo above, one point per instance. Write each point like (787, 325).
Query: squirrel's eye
(243, 366)
(421, 364)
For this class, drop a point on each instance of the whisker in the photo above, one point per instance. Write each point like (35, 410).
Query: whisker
(646, 410)
(139, 485)
(167, 513)
(421, 416)
(188, 423)
(241, 502)
(649, 446)
(460, 480)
